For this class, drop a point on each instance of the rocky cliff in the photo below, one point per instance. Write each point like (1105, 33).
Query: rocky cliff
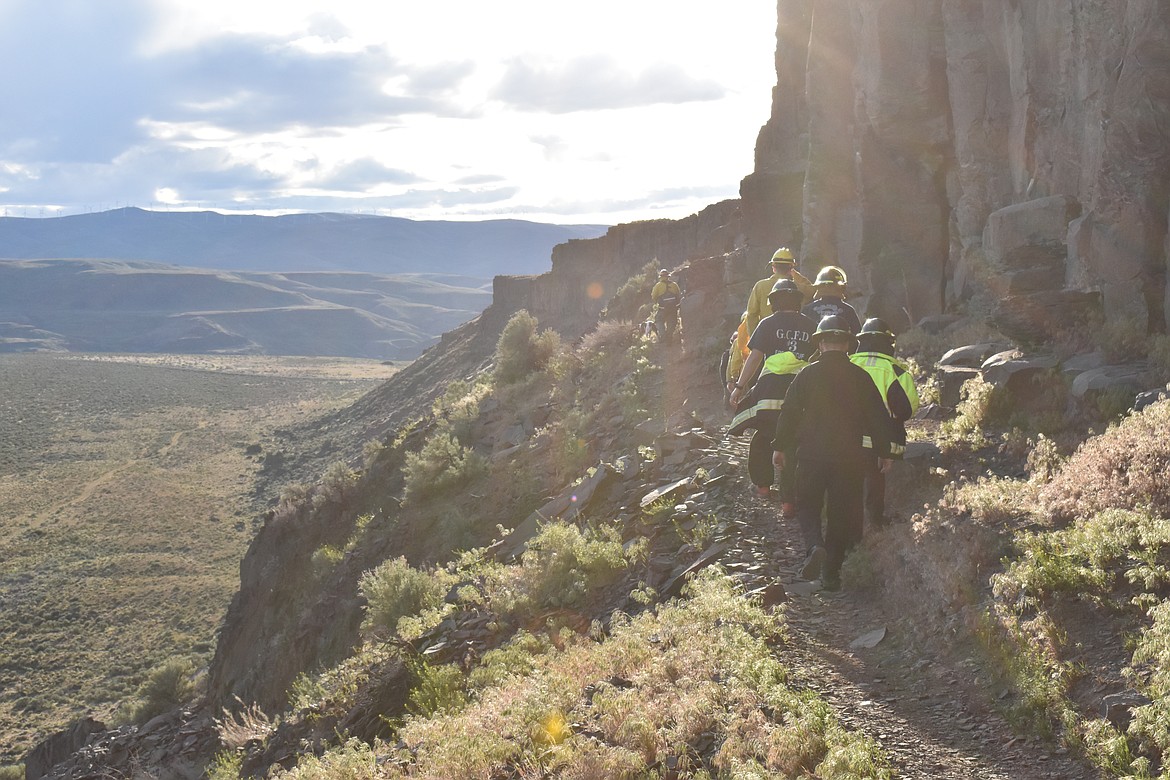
(933, 147)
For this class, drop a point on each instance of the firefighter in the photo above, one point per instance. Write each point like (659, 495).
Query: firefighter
(875, 353)
(829, 298)
(783, 266)
(830, 407)
(779, 348)
(666, 297)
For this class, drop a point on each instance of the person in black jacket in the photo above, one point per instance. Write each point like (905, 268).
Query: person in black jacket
(832, 409)
(829, 298)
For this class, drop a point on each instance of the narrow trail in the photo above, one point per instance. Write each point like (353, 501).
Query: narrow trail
(925, 709)
(925, 706)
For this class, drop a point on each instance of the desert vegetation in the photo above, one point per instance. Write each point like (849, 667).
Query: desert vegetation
(127, 497)
(1036, 540)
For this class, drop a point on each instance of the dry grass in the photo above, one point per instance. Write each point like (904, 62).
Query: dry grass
(697, 684)
(126, 504)
(1125, 468)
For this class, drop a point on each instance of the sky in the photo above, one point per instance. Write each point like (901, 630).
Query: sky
(598, 111)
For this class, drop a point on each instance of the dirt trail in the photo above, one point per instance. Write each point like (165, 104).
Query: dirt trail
(925, 708)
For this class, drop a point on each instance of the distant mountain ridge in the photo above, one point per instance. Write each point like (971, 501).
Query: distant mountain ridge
(293, 242)
(304, 284)
(120, 306)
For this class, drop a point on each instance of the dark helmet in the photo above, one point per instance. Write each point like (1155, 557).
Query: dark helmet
(876, 336)
(833, 325)
(831, 276)
(785, 296)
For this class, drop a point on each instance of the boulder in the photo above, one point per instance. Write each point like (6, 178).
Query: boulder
(1012, 369)
(972, 355)
(1039, 318)
(1150, 397)
(937, 323)
(1100, 380)
(950, 383)
(1031, 235)
(1078, 364)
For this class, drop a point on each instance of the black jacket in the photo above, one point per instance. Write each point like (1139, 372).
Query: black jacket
(824, 307)
(830, 410)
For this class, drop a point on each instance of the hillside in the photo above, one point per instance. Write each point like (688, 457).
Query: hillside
(305, 284)
(573, 644)
(121, 306)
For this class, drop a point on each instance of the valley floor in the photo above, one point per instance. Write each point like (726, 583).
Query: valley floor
(127, 498)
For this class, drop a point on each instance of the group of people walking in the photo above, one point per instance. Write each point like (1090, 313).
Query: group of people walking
(827, 400)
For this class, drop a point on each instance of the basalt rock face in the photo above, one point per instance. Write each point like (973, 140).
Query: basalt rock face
(911, 123)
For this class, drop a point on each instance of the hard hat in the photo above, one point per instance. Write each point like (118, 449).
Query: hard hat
(785, 296)
(782, 255)
(831, 276)
(664, 272)
(876, 336)
(833, 325)
(876, 326)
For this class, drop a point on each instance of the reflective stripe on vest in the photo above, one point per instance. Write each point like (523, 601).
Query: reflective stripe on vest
(896, 450)
(880, 368)
(763, 405)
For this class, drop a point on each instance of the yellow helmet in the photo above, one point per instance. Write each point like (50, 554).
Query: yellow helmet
(782, 255)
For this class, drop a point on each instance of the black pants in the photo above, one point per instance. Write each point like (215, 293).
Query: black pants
(875, 493)
(838, 489)
(763, 473)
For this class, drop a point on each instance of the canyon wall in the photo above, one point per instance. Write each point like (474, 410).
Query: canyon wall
(936, 148)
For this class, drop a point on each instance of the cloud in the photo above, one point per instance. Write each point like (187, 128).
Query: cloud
(249, 83)
(85, 90)
(598, 82)
(362, 174)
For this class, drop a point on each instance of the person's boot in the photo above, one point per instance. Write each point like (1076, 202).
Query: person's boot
(814, 564)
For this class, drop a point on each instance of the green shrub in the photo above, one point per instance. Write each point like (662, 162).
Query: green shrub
(610, 337)
(12, 772)
(395, 590)
(438, 690)
(168, 686)
(521, 351)
(706, 667)
(355, 760)
(442, 465)
(225, 766)
(561, 565)
(1089, 559)
(972, 412)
